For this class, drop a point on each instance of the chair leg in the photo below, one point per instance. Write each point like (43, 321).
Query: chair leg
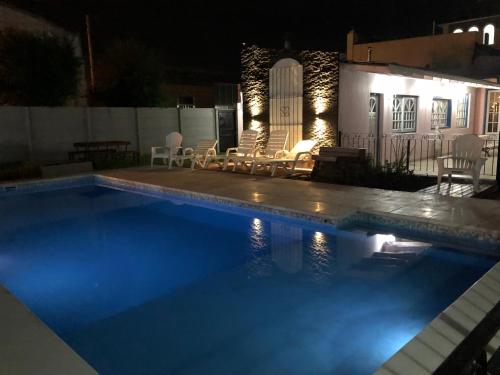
(170, 161)
(152, 160)
(226, 161)
(235, 165)
(440, 178)
(475, 181)
(254, 167)
(449, 179)
(273, 169)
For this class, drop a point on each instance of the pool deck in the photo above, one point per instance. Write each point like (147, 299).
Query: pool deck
(336, 202)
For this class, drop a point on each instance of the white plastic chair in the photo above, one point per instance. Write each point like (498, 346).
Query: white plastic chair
(465, 159)
(288, 160)
(274, 148)
(169, 151)
(202, 154)
(245, 149)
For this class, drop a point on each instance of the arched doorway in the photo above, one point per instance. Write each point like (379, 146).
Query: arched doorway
(286, 98)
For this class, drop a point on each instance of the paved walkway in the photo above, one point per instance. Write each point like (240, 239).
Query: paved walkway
(334, 201)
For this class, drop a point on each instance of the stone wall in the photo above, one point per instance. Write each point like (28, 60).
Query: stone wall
(321, 79)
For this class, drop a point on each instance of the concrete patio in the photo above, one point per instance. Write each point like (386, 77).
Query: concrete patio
(333, 201)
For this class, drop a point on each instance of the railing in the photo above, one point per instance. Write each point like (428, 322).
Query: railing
(418, 152)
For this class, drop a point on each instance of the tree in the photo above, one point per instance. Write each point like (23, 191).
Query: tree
(130, 74)
(37, 69)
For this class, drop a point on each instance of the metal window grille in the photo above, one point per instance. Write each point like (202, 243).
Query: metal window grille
(404, 114)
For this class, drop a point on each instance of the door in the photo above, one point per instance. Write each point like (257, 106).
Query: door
(227, 129)
(374, 131)
(492, 116)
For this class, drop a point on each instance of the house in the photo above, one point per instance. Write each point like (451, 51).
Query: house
(469, 48)
(17, 19)
(381, 102)
(429, 88)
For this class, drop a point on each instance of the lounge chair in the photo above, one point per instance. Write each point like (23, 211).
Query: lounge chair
(274, 149)
(169, 151)
(202, 154)
(246, 148)
(287, 160)
(465, 159)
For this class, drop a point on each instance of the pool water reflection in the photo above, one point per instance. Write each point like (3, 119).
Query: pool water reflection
(142, 285)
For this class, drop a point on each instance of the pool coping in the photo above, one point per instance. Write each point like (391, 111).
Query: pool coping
(422, 355)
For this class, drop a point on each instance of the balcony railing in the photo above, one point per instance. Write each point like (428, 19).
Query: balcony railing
(418, 152)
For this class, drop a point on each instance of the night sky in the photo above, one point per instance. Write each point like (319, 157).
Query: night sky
(208, 34)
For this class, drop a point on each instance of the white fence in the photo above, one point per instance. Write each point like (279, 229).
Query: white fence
(46, 134)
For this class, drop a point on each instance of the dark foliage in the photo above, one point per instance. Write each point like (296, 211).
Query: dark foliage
(37, 69)
(17, 171)
(391, 176)
(130, 74)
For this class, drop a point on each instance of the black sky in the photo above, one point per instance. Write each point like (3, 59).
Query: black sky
(208, 34)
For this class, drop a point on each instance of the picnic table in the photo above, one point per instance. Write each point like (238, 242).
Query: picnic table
(99, 149)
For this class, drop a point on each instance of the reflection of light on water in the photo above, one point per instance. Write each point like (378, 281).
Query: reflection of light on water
(392, 340)
(382, 239)
(320, 257)
(319, 241)
(260, 263)
(257, 233)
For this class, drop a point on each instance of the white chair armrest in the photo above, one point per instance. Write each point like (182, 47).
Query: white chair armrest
(303, 153)
(188, 150)
(157, 149)
(444, 157)
(231, 149)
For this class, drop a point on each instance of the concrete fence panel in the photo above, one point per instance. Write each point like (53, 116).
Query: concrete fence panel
(14, 134)
(197, 124)
(54, 130)
(154, 125)
(114, 124)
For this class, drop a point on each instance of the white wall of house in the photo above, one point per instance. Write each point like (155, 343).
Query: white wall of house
(356, 87)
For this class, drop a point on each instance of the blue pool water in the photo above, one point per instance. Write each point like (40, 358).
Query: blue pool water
(141, 285)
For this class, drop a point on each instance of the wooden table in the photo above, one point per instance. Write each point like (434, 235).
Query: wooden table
(99, 149)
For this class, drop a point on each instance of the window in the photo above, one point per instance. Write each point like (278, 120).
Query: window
(463, 111)
(404, 114)
(440, 117)
(489, 35)
(458, 31)
(473, 29)
(493, 112)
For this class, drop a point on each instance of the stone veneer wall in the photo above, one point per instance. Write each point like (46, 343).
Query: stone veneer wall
(321, 80)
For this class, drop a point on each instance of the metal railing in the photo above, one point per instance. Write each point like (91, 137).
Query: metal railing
(418, 152)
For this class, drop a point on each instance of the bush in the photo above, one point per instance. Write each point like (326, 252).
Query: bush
(37, 69)
(391, 176)
(130, 75)
(16, 171)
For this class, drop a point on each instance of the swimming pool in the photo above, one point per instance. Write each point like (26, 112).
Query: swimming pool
(138, 284)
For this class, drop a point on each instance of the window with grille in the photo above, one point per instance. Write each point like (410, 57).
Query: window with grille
(404, 114)
(463, 111)
(440, 117)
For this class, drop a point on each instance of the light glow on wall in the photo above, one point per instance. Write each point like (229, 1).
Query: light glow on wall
(320, 105)
(256, 106)
(458, 31)
(474, 29)
(382, 239)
